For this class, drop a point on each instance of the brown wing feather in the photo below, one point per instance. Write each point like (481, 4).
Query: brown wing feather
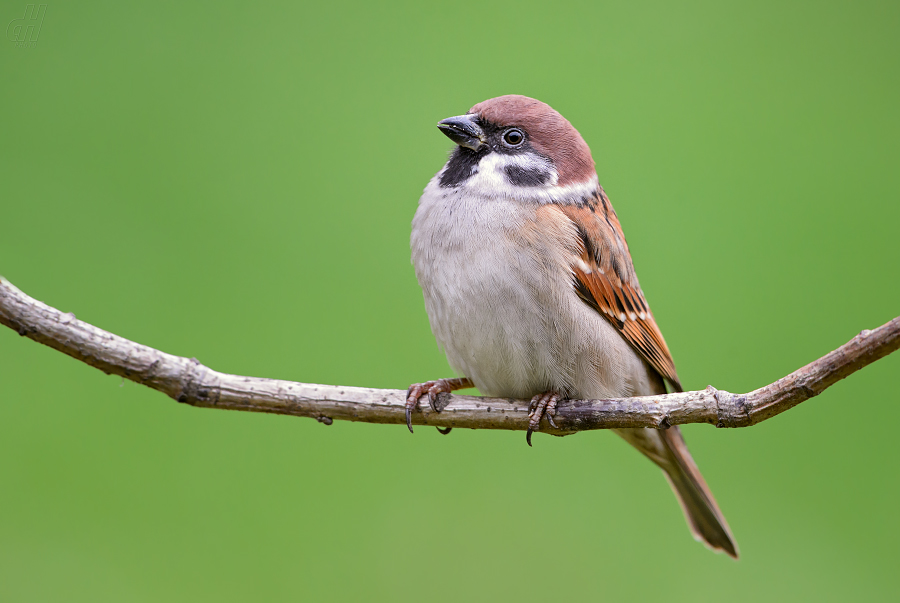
(605, 279)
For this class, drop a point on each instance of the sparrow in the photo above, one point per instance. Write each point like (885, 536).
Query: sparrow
(530, 288)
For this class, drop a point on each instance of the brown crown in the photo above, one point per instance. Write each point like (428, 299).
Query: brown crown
(549, 133)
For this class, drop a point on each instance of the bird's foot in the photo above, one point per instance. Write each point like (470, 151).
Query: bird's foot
(541, 405)
(438, 396)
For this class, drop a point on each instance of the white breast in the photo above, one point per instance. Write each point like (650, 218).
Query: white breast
(498, 290)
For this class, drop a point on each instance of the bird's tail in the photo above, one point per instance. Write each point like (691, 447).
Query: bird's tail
(666, 448)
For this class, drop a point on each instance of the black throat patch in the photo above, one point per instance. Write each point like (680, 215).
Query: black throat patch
(463, 164)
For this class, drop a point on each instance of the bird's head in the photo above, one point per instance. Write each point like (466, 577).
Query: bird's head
(515, 145)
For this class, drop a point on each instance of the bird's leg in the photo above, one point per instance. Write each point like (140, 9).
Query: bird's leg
(438, 397)
(541, 405)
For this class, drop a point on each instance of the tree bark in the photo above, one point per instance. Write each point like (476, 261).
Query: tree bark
(189, 382)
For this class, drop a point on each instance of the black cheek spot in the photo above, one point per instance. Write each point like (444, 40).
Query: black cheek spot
(523, 177)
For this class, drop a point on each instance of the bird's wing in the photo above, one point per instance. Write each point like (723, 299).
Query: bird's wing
(605, 279)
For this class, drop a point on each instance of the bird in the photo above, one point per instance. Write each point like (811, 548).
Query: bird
(531, 291)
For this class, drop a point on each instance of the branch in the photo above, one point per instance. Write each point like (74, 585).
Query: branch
(189, 382)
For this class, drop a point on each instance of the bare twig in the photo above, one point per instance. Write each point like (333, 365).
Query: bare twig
(188, 381)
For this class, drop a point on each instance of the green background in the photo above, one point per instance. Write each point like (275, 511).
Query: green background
(235, 182)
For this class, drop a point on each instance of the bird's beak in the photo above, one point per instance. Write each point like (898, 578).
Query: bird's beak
(463, 131)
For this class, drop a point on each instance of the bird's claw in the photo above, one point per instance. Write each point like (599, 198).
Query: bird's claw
(542, 405)
(438, 396)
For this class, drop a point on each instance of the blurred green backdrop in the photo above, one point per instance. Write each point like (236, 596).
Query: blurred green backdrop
(235, 182)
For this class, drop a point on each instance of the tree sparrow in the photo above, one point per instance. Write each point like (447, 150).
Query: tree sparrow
(530, 288)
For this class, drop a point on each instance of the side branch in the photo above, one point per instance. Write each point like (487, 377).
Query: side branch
(189, 382)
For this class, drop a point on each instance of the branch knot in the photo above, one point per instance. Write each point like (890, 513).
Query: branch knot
(193, 388)
(731, 410)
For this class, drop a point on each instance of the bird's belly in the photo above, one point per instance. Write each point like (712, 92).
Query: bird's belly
(490, 326)
(502, 306)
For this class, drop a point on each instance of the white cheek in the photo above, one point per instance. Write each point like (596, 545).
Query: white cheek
(492, 177)
(489, 180)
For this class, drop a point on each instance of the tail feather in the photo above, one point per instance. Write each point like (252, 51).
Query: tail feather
(703, 515)
(667, 449)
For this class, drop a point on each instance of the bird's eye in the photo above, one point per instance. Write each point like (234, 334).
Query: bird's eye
(513, 137)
